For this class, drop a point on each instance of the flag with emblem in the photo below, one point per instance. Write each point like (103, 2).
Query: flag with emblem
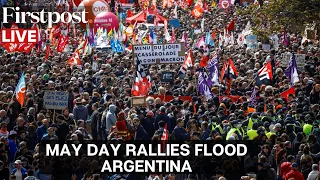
(264, 75)
(21, 90)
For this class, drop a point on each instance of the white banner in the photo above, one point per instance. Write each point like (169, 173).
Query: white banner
(159, 53)
(55, 100)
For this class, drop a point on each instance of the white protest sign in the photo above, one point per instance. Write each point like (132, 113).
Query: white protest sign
(159, 53)
(300, 59)
(252, 41)
(266, 47)
(55, 100)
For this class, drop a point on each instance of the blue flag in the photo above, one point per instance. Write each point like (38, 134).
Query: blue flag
(292, 70)
(203, 87)
(113, 45)
(118, 46)
(209, 39)
(212, 67)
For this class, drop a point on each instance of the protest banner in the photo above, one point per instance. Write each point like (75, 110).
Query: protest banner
(252, 41)
(57, 100)
(159, 53)
(167, 77)
(300, 59)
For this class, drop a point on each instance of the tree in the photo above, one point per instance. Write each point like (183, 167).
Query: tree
(277, 15)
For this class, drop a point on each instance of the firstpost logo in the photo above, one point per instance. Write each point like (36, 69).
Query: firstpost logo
(18, 39)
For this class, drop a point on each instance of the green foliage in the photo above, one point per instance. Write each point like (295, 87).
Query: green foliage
(277, 15)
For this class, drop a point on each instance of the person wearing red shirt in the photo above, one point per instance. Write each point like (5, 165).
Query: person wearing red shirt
(285, 167)
(294, 173)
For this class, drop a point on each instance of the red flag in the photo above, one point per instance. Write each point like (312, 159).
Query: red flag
(129, 13)
(62, 42)
(205, 7)
(71, 6)
(188, 61)
(164, 138)
(197, 12)
(74, 59)
(56, 31)
(47, 51)
(213, 35)
(231, 26)
(287, 92)
(204, 61)
(27, 48)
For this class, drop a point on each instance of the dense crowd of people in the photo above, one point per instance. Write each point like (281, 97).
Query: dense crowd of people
(286, 130)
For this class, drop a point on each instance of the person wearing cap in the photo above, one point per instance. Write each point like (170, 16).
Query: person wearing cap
(19, 171)
(294, 173)
(235, 125)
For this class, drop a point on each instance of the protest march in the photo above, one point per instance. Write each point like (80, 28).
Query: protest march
(160, 71)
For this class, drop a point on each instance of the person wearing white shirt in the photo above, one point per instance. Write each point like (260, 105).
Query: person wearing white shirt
(314, 173)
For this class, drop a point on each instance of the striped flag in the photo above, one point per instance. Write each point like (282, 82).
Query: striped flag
(142, 82)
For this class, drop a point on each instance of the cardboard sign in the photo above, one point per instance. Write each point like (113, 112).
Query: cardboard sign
(167, 77)
(55, 100)
(300, 59)
(159, 53)
(138, 101)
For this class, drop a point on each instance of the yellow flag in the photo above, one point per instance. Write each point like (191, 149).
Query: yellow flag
(213, 4)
